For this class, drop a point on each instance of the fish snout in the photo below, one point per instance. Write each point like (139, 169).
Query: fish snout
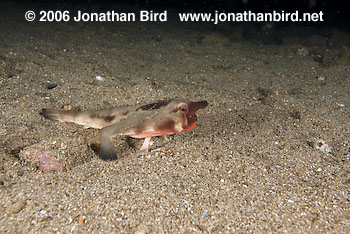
(194, 106)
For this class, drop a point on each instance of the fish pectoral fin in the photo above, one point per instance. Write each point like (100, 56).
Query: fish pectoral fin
(144, 147)
(107, 150)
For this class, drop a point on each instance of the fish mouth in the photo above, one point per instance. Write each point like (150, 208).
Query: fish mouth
(192, 108)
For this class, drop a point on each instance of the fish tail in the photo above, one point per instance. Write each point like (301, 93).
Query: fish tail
(57, 115)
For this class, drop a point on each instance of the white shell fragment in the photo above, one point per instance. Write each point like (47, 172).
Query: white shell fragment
(99, 78)
(323, 146)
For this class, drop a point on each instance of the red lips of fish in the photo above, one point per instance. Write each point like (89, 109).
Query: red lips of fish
(191, 115)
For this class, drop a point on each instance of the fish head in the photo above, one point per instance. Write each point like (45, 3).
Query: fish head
(179, 116)
(188, 110)
(173, 116)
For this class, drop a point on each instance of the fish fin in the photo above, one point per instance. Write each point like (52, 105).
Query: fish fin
(59, 115)
(144, 147)
(51, 114)
(107, 150)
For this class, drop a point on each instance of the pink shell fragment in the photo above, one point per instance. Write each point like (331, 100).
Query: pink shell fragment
(46, 162)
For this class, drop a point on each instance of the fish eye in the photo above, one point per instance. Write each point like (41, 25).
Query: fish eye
(182, 109)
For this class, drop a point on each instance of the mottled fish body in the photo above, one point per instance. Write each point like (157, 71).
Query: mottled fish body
(140, 121)
(91, 118)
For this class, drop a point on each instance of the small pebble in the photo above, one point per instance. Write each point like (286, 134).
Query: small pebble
(81, 221)
(321, 78)
(67, 107)
(99, 78)
(16, 207)
(321, 145)
(141, 229)
(51, 86)
(73, 228)
(43, 213)
(303, 52)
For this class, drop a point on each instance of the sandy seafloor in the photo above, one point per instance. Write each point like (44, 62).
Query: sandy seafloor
(250, 165)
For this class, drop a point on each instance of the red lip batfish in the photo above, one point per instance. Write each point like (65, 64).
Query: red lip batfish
(163, 117)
